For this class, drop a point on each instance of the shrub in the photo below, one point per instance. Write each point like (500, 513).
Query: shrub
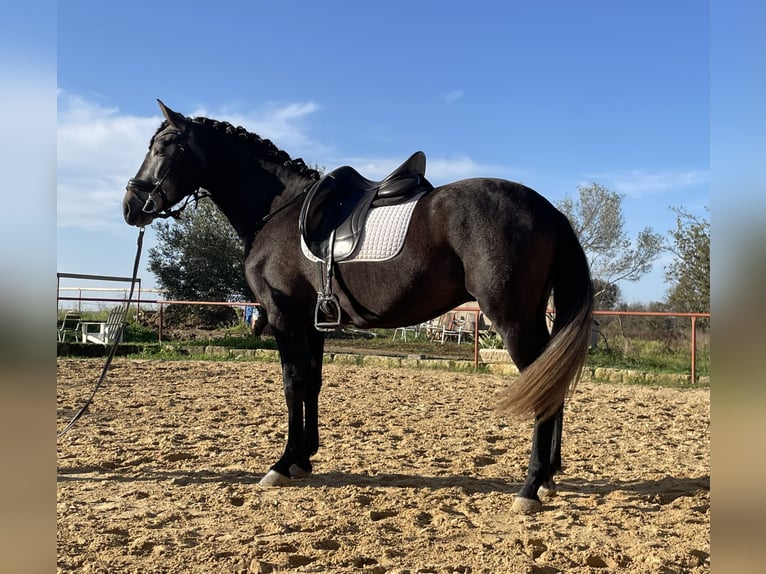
(135, 333)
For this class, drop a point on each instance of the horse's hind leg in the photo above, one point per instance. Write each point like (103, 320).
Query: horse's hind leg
(525, 343)
(544, 461)
(548, 487)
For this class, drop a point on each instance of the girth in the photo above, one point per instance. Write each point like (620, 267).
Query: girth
(334, 213)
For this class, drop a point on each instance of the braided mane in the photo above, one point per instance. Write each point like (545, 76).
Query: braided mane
(265, 149)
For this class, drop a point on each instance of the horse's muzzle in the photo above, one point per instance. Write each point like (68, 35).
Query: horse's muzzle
(141, 187)
(132, 209)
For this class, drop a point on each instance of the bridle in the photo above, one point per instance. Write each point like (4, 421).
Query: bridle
(156, 195)
(155, 191)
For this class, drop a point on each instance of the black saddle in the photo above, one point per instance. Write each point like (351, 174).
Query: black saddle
(335, 210)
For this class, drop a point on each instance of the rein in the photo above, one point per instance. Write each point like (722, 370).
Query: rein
(116, 342)
(198, 194)
(266, 218)
(249, 239)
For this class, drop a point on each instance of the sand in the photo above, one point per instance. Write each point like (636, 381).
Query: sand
(415, 474)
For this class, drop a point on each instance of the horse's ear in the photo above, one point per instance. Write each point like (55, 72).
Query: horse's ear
(175, 119)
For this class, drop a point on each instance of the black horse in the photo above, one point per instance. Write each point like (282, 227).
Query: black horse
(490, 240)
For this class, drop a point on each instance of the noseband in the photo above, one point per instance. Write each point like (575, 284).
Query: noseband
(156, 195)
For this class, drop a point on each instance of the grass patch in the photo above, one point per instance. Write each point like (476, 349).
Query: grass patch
(650, 356)
(633, 354)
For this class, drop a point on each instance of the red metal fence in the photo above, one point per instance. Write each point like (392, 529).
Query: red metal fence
(692, 316)
(161, 304)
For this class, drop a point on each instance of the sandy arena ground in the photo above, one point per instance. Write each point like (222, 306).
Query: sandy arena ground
(415, 474)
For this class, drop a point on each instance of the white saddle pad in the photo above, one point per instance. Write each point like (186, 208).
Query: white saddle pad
(383, 235)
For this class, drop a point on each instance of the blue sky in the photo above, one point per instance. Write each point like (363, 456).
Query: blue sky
(551, 94)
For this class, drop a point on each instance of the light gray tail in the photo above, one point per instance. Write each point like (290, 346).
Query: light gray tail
(543, 386)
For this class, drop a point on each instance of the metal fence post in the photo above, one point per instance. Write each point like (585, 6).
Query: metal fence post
(162, 320)
(694, 349)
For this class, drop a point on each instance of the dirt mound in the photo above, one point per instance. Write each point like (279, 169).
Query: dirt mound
(415, 474)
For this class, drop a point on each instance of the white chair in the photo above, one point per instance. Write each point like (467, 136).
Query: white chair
(453, 328)
(69, 326)
(105, 332)
(414, 329)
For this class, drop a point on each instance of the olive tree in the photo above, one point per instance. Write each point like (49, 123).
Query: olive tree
(597, 219)
(199, 257)
(689, 273)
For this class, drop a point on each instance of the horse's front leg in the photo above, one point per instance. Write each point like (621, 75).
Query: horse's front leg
(302, 377)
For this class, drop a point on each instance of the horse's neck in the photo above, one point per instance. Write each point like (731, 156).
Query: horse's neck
(247, 193)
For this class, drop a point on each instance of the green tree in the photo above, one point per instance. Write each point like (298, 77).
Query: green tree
(689, 273)
(200, 258)
(596, 217)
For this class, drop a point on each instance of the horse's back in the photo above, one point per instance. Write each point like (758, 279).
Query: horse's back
(490, 208)
(491, 194)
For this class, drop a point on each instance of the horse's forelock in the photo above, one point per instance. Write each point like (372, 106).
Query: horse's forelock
(163, 125)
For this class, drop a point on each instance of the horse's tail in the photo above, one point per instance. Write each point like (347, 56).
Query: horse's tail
(543, 386)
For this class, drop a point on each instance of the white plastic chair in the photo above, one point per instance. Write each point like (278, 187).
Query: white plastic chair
(108, 331)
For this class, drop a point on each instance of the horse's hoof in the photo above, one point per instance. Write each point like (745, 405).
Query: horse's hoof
(526, 505)
(297, 472)
(273, 478)
(548, 489)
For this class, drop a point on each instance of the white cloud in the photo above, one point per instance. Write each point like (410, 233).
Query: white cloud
(461, 167)
(93, 204)
(100, 148)
(281, 123)
(642, 182)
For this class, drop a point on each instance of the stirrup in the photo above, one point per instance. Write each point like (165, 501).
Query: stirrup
(327, 305)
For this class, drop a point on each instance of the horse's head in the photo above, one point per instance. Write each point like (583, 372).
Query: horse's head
(167, 174)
